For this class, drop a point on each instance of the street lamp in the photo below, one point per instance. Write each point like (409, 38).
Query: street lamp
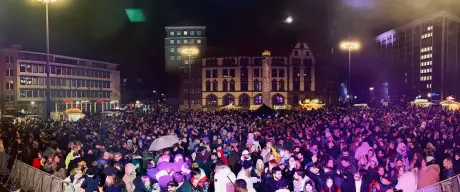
(289, 20)
(349, 46)
(189, 51)
(371, 88)
(48, 90)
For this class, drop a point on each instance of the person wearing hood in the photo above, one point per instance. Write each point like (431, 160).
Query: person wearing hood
(362, 150)
(130, 175)
(199, 181)
(402, 155)
(221, 155)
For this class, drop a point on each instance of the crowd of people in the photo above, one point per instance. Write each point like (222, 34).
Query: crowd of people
(378, 149)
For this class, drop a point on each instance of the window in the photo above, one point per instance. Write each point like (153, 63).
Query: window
(224, 85)
(178, 42)
(198, 41)
(198, 80)
(256, 72)
(232, 73)
(192, 32)
(9, 98)
(9, 85)
(191, 41)
(258, 100)
(428, 86)
(172, 58)
(244, 86)
(9, 72)
(208, 85)
(178, 33)
(185, 41)
(256, 85)
(225, 73)
(197, 101)
(185, 33)
(171, 33)
(179, 58)
(274, 72)
(41, 69)
(281, 85)
(281, 73)
(198, 90)
(274, 85)
(191, 80)
(198, 32)
(8, 59)
(232, 85)
(185, 101)
(41, 81)
(171, 41)
(35, 69)
(185, 90)
(214, 73)
(214, 85)
(208, 73)
(171, 50)
(192, 90)
(296, 53)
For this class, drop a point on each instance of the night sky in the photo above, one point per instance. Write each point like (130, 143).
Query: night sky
(100, 29)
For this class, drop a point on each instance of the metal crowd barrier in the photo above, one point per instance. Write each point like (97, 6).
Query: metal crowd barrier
(23, 177)
(449, 185)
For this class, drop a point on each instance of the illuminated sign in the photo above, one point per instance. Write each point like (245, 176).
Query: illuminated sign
(67, 101)
(100, 101)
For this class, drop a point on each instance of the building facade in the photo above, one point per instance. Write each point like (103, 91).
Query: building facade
(239, 80)
(186, 35)
(421, 58)
(75, 83)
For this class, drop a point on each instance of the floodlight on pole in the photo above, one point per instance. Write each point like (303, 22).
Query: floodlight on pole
(48, 82)
(349, 46)
(189, 51)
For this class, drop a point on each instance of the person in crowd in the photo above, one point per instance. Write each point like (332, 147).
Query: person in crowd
(182, 184)
(427, 175)
(172, 186)
(245, 174)
(355, 182)
(112, 184)
(240, 186)
(448, 170)
(91, 182)
(199, 181)
(276, 181)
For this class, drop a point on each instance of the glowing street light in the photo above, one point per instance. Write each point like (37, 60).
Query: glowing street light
(289, 20)
(371, 88)
(48, 90)
(349, 46)
(189, 51)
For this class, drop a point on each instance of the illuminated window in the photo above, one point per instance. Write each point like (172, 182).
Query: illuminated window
(429, 77)
(178, 32)
(192, 32)
(429, 28)
(172, 50)
(179, 57)
(186, 62)
(185, 41)
(178, 42)
(191, 41)
(171, 33)
(172, 58)
(198, 41)
(185, 32)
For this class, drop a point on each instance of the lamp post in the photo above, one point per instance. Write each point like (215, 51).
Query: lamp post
(189, 51)
(48, 91)
(349, 46)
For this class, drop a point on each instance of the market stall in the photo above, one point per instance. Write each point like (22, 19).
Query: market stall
(421, 103)
(450, 104)
(311, 104)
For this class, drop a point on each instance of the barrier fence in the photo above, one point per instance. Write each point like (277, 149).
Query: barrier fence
(16, 175)
(449, 185)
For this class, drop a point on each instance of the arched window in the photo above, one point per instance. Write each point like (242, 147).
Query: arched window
(281, 85)
(278, 99)
(243, 100)
(211, 100)
(232, 85)
(256, 85)
(228, 99)
(258, 99)
(214, 85)
(274, 85)
(208, 85)
(224, 85)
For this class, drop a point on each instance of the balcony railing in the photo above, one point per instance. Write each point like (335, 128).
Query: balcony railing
(449, 185)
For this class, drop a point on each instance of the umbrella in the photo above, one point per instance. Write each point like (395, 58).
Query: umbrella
(163, 142)
(49, 152)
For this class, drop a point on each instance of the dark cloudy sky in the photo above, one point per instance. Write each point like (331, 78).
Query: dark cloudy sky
(99, 29)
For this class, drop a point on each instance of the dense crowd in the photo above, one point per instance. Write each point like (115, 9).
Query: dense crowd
(379, 149)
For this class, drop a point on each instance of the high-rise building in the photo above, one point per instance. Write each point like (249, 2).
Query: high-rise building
(185, 35)
(87, 85)
(422, 57)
